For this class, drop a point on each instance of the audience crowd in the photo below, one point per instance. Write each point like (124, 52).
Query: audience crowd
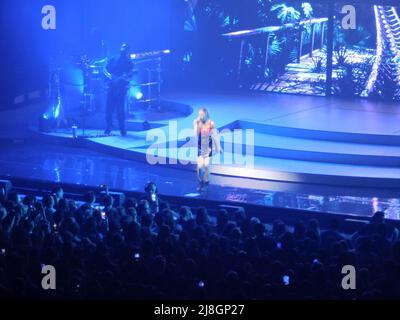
(143, 249)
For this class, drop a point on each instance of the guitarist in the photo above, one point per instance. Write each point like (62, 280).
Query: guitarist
(120, 73)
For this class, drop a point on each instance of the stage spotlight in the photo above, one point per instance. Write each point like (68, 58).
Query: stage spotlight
(48, 120)
(135, 93)
(139, 95)
(54, 111)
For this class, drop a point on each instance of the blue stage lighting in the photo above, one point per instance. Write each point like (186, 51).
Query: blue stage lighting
(135, 93)
(139, 95)
(54, 111)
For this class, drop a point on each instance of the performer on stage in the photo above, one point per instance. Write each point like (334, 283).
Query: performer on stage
(120, 73)
(207, 135)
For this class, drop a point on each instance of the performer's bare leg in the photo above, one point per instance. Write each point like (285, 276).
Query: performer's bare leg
(206, 176)
(200, 165)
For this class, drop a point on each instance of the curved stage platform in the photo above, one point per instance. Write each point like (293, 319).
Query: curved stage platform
(313, 140)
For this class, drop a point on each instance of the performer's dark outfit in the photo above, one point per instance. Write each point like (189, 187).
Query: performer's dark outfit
(117, 92)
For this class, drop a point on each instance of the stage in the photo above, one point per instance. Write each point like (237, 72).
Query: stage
(296, 138)
(297, 144)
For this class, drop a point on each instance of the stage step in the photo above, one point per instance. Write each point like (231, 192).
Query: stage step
(265, 168)
(275, 146)
(299, 171)
(336, 136)
(267, 145)
(315, 172)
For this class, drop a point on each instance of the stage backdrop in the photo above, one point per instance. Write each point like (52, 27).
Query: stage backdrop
(281, 46)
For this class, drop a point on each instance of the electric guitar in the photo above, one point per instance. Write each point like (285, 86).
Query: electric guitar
(122, 82)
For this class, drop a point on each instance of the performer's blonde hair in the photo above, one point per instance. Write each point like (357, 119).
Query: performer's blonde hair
(206, 114)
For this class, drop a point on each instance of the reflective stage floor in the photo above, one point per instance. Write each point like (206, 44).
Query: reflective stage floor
(79, 166)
